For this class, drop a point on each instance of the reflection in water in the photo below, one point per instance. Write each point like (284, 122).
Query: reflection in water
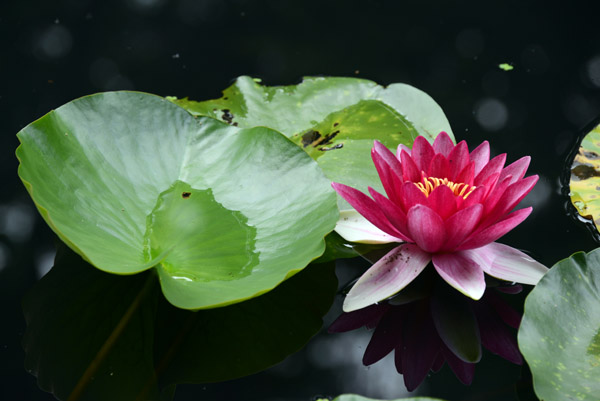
(429, 324)
(92, 335)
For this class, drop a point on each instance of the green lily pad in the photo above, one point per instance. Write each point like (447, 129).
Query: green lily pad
(354, 397)
(585, 178)
(97, 336)
(130, 181)
(335, 120)
(560, 331)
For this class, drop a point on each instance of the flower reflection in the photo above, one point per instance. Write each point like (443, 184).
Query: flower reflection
(447, 206)
(426, 329)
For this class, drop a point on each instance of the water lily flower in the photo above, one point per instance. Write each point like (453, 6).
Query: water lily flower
(446, 206)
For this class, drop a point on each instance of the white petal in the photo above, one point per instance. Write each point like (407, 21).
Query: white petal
(461, 273)
(389, 275)
(353, 227)
(507, 263)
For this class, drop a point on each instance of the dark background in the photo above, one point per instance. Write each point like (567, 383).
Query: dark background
(52, 52)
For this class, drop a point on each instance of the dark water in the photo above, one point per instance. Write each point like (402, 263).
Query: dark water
(53, 52)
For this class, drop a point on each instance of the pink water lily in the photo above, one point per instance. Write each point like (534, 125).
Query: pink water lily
(446, 206)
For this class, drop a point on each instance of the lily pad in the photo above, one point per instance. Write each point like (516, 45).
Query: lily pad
(560, 331)
(130, 181)
(335, 120)
(585, 178)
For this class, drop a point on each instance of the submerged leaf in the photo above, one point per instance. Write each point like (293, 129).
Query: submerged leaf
(131, 181)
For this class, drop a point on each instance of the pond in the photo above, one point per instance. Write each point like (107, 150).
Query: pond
(525, 77)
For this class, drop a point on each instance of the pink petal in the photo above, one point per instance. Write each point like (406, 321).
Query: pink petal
(439, 167)
(475, 197)
(389, 275)
(443, 144)
(412, 195)
(507, 263)
(467, 174)
(442, 201)
(458, 159)
(385, 155)
(402, 147)
(494, 166)
(495, 231)
(367, 207)
(426, 228)
(393, 213)
(481, 156)
(461, 273)
(516, 169)
(511, 197)
(410, 171)
(495, 194)
(353, 227)
(422, 153)
(461, 224)
(390, 178)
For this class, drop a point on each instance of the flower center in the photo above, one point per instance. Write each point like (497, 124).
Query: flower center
(428, 184)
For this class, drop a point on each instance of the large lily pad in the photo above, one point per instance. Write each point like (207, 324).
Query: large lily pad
(560, 331)
(585, 178)
(130, 181)
(335, 120)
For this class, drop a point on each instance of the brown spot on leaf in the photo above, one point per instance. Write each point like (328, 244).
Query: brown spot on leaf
(186, 195)
(310, 137)
(227, 116)
(583, 172)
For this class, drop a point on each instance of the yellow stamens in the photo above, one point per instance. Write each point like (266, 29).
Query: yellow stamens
(428, 184)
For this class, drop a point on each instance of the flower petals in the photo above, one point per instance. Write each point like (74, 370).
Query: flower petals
(422, 152)
(507, 263)
(389, 275)
(490, 234)
(494, 166)
(426, 228)
(442, 200)
(516, 169)
(457, 160)
(353, 227)
(443, 144)
(481, 156)
(366, 207)
(439, 167)
(461, 273)
(461, 224)
(392, 212)
(410, 171)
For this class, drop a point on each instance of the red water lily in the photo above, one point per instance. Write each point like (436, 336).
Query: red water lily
(447, 206)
